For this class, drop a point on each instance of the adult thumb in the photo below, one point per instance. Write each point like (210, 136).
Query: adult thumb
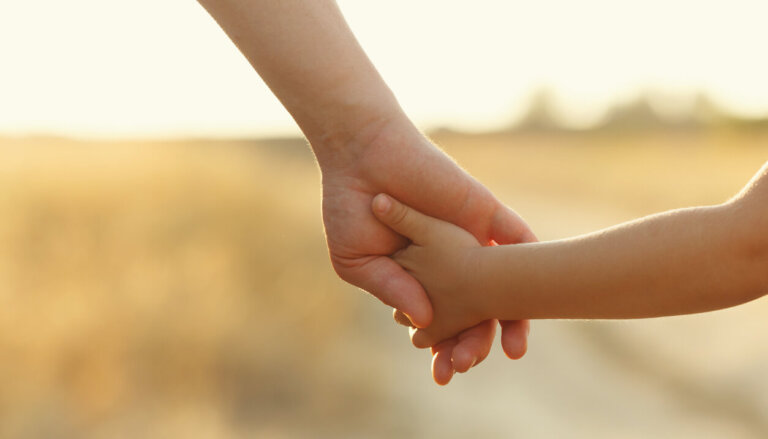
(402, 219)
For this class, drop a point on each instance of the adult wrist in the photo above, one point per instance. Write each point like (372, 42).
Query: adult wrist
(343, 144)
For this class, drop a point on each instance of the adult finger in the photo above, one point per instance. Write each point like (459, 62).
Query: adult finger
(390, 283)
(514, 337)
(508, 228)
(473, 345)
(402, 219)
(442, 367)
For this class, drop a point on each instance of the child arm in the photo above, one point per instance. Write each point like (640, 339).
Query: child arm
(678, 262)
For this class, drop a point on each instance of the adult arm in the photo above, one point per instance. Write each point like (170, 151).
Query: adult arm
(309, 58)
(365, 144)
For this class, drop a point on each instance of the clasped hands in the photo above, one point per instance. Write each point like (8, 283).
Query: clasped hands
(367, 252)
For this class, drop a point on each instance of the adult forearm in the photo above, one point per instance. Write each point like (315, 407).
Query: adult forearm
(679, 262)
(308, 56)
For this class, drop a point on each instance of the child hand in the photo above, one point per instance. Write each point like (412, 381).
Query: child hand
(442, 257)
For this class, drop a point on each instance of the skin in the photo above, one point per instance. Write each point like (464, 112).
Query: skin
(678, 262)
(365, 144)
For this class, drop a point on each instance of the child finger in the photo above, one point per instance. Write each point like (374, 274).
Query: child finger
(401, 218)
(422, 339)
(401, 318)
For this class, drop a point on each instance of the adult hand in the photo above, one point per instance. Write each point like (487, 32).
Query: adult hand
(365, 145)
(395, 158)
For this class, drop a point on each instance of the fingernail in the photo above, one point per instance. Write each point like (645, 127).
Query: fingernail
(383, 203)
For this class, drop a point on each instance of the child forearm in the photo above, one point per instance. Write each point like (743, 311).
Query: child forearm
(679, 262)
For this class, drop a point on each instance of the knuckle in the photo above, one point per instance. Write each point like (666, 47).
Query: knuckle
(399, 214)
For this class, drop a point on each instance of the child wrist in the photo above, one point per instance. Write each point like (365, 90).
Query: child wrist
(478, 280)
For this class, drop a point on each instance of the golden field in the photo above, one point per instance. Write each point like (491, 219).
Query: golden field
(182, 289)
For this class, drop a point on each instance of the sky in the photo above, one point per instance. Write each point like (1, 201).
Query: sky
(145, 68)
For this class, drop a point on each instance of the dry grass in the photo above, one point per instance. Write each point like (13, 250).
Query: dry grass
(142, 279)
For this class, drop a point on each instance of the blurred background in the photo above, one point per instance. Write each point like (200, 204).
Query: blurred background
(163, 270)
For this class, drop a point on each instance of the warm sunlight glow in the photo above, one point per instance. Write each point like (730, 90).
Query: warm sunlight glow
(149, 68)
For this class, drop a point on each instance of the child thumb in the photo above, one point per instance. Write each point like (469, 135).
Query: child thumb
(401, 218)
